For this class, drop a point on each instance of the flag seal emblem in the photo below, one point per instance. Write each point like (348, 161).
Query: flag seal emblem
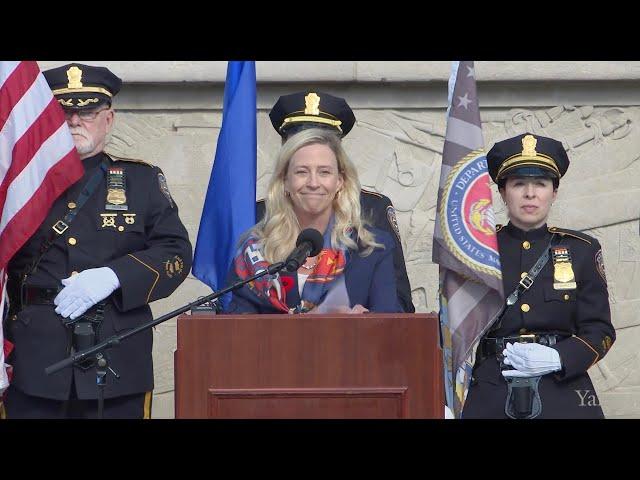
(466, 215)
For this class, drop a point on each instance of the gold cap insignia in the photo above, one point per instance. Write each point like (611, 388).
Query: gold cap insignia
(74, 75)
(312, 104)
(84, 103)
(529, 146)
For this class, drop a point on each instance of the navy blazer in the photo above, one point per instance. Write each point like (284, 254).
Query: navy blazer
(379, 211)
(370, 282)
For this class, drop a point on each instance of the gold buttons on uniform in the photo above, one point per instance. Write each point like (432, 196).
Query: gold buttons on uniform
(72, 241)
(525, 307)
(566, 296)
(526, 245)
(71, 205)
(523, 274)
(121, 228)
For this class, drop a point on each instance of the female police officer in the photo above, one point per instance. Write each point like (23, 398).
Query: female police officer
(533, 362)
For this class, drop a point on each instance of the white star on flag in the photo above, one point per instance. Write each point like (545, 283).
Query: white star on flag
(464, 101)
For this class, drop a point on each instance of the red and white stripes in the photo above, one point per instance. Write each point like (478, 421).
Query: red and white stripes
(38, 160)
(4, 380)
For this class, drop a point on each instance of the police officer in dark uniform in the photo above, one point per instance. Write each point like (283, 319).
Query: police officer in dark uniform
(557, 323)
(110, 245)
(309, 109)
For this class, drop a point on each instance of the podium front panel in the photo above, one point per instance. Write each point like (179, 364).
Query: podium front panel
(308, 366)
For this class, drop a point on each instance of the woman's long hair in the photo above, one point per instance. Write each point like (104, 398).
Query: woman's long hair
(279, 228)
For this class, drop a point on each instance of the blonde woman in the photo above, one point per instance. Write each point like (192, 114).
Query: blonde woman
(315, 185)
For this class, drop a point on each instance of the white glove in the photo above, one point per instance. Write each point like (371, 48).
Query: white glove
(530, 360)
(84, 290)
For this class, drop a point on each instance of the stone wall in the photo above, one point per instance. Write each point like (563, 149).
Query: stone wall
(169, 113)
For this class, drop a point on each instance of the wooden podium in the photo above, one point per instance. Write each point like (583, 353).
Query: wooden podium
(308, 366)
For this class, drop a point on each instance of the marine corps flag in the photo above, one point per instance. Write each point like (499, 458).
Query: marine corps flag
(465, 242)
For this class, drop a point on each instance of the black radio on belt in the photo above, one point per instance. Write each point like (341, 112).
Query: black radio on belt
(84, 336)
(85, 330)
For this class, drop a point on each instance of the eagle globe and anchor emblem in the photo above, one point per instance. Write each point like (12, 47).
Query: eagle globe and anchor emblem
(466, 215)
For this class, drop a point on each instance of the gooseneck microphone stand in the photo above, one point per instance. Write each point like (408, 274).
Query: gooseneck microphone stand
(95, 353)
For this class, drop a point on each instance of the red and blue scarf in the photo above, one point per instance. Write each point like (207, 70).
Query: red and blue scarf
(272, 289)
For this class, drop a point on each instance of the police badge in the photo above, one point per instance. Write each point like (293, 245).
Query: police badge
(563, 276)
(116, 194)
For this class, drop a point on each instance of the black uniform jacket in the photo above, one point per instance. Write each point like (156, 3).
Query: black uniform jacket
(379, 211)
(147, 247)
(581, 314)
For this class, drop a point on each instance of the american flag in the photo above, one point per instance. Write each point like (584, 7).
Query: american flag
(465, 242)
(38, 161)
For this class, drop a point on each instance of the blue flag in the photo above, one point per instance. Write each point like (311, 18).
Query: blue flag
(229, 207)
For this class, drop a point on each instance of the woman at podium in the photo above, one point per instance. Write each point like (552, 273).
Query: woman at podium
(315, 185)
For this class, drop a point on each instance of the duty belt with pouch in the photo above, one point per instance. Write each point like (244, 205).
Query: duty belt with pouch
(493, 346)
(523, 398)
(83, 331)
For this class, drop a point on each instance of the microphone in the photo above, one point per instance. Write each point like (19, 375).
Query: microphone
(309, 244)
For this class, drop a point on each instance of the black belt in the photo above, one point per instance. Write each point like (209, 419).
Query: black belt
(493, 346)
(42, 295)
(31, 295)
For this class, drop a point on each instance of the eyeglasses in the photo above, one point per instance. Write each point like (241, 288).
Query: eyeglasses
(85, 115)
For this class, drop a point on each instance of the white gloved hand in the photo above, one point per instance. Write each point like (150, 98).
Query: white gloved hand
(84, 290)
(530, 360)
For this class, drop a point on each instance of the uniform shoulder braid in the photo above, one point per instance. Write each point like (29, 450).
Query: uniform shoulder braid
(564, 232)
(369, 192)
(116, 158)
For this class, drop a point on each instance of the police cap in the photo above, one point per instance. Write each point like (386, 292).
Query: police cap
(311, 109)
(80, 86)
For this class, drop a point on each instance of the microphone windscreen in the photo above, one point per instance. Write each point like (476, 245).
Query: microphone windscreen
(314, 237)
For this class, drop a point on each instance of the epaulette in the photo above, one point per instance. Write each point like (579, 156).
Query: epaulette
(571, 233)
(369, 192)
(498, 227)
(131, 160)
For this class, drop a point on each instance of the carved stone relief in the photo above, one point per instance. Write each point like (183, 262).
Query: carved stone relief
(398, 153)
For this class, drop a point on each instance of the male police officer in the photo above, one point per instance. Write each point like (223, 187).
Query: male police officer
(313, 109)
(112, 243)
